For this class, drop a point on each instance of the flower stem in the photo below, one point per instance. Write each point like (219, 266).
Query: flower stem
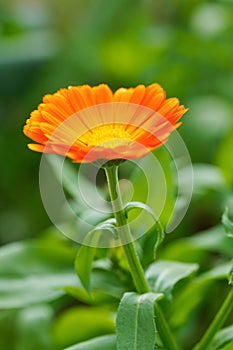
(135, 266)
(164, 330)
(217, 323)
(125, 234)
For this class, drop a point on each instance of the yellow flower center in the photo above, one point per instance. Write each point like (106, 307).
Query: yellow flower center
(108, 136)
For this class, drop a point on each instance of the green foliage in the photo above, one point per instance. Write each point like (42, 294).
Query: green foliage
(104, 283)
(83, 264)
(135, 324)
(163, 275)
(107, 342)
(34, 272)
(195, 247)
(225, 159)
(188, 49)
(227, 223)
(230, 277)
(33, 326)
(87, 252)
(228, 346)
(195, 293)
(82, 323)
(222, 338)
(157, 227)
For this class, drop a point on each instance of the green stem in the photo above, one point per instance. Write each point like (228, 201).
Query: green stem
(164, 330)
(124, 231)
(217, 323)
(135, 266)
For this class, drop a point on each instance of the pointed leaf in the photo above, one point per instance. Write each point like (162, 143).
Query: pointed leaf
(37, 271)
(195, 293)
(83, 265)
(136, 329)
(163, 275)
(140, 205)
(34, 271)
(86, 254)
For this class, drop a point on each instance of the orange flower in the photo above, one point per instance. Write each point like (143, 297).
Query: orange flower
(90, 123)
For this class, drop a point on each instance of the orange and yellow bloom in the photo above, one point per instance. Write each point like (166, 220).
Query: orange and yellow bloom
(88, 123)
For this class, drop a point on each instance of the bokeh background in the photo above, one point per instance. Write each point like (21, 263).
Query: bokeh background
(46, 45)
(185, 46)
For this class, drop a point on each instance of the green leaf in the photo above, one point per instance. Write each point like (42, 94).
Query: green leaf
(37, 271)
(83, 265)
(86, 254)
(33, 272)
(136, 329)
(222, 338)
(230, 277)
(140, 205)
(163, 275)
(106, 285)
(229, 346)
(108, 282)
(195, 293)
(81, 323)
(33, 327)
(95, 298)
(211, 240)
(107, 342)
(227, 223)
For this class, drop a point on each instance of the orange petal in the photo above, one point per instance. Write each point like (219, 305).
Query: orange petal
(138, 94)
(55, 131)
(35, 134)
(77, 99)
(103, 94)
(56, 111)
(36, 147)
(123, 95)
(168, 105)
(35, 116)
(88, 95)
(154, 96)
(174, 117)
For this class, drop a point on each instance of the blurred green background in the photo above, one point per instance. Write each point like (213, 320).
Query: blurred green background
(185, 46)
(45, 45)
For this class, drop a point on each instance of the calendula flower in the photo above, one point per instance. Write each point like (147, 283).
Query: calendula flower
(88, 123)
